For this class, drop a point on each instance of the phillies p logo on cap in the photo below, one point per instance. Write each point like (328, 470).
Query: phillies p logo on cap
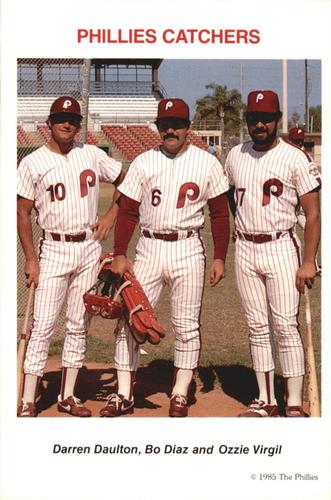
(173, 108)
(66, 104)
(296, 133)
(168, 105)
(262, 101)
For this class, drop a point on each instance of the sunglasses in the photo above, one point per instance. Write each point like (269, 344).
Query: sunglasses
(173, 123)
(255, 117)
(65, 117)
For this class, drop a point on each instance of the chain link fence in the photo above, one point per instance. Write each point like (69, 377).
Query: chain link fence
(39, 83)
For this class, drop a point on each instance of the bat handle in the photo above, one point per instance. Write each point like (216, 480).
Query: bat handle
(28, 308)
(313, 396)
(23, 342)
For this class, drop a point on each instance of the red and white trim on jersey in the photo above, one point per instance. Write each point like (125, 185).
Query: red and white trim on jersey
(65, 191)
(66, 187)
(267, 185)
(173, 191)
(167, 196)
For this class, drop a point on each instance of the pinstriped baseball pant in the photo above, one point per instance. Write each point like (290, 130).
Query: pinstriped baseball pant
(66, 269)
(265, 275)
(181, 266)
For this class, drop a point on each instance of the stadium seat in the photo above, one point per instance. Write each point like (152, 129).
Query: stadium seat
(21, 136)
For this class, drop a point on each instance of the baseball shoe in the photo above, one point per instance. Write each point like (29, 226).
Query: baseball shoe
(73, 406)
(116, 406)
(27, 410)
(178, 406)
(294, 411)
(259, 408)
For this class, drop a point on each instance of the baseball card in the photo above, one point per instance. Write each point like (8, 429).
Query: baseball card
(162, 216)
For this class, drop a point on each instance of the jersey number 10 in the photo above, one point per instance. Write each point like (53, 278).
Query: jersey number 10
(58, 191)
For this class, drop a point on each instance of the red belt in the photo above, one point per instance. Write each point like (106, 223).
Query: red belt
(74, 238)
(165, 236)
(260, 238)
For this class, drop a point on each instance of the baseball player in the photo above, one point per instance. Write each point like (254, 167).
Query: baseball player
(61, 181)
(296, 136)
(166, 190)
(269, 175)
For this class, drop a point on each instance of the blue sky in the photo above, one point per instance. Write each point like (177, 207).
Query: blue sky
(187, 78)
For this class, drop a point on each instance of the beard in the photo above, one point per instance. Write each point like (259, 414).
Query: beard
(262, 137)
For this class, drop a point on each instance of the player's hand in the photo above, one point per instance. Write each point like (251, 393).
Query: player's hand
(103, 226)
(305, 275)
(31, 271)
(217, 271)
(121, 264)
(234, 235)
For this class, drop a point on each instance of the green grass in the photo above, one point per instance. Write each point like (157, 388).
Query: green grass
(224, 329)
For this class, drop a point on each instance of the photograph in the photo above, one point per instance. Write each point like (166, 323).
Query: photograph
(188, 364)
(164, 202)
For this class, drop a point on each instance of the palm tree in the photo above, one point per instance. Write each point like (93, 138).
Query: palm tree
(222, 106)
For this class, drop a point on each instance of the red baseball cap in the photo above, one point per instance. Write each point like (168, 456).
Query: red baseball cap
(66, 104)
(296, 133)
(262, 101)
(173, 108)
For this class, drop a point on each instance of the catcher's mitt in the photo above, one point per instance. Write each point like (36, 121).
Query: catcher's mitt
(113, 296)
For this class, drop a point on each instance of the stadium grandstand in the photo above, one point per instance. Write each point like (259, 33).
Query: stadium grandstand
(120, 102)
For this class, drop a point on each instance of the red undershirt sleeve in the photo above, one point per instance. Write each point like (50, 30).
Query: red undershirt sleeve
(220, 229)
(127, 219)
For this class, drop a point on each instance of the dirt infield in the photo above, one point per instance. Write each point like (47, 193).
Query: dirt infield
(216, 392)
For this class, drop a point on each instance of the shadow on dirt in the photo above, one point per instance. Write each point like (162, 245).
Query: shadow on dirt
(236, 381)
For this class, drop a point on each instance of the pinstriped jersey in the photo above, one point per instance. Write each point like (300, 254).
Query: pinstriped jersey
(65, 188)
(267, 185)
(173, 191)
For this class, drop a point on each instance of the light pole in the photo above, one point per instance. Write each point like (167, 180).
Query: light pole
(241, 109)
(222, 114)
(85, 99)
(285, 114)
(306, 96)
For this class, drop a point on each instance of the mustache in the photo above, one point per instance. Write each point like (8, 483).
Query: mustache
(258, 130)
(170, 136)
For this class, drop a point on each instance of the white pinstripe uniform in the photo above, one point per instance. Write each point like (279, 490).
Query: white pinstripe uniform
(65, 189)
(172, 193)
(267, 186)
(301, 217)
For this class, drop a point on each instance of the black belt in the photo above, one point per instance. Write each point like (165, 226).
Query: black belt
(166, 236)
(73, 238)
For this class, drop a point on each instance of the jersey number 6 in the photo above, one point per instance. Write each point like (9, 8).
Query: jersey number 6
(189, 190)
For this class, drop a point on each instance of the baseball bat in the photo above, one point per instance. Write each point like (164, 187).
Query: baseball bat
(313, 396)
(23, 339)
